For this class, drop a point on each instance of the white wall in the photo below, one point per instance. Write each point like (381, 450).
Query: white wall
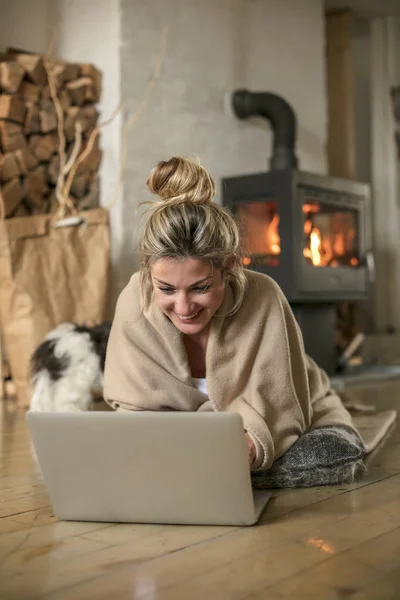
(25, 24)
(89, 31)
(213, 49)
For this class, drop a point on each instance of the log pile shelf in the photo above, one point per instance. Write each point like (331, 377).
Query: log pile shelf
(29, 140)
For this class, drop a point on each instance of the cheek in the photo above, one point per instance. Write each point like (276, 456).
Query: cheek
(161, 300)
(218, 298)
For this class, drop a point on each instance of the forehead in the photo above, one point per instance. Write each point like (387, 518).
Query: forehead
(181, 272)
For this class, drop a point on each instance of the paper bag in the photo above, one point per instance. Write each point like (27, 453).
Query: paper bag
(49, 275)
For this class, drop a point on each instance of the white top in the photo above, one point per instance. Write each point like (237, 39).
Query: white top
(200, 383)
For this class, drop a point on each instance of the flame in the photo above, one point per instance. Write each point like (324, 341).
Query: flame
(327, 249)
(308, 227)
(273, 238)
(329, 237)
(311, 208)
(314, 251)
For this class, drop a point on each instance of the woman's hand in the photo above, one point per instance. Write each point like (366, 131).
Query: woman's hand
(251, 449)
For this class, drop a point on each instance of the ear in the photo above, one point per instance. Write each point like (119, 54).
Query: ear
(231, 261)
(229, 265)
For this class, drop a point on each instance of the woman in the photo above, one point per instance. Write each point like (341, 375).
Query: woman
(194, 330)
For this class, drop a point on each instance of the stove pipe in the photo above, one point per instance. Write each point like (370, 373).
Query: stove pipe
(280, 113)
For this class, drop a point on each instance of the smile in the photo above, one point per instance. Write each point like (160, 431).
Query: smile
(188, 317)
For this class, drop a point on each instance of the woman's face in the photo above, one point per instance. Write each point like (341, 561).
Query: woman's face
(188, 291)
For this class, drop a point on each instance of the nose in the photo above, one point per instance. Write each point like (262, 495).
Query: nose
(183, 305)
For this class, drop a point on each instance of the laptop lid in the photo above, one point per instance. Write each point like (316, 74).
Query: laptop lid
(149, 467)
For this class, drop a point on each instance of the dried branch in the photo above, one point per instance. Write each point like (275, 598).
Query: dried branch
(76, 148)
(53, 42)
(88, 149)
(2, 207)
(61, 135)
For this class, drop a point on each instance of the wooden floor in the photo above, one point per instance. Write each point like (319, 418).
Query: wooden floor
(324, 543)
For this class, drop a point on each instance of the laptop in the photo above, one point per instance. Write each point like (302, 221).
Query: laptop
(146, 467)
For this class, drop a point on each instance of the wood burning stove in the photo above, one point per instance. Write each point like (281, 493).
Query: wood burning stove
(308, 232)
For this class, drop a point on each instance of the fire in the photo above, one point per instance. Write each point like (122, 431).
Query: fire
(335, 246)
(311, 208)
(314, 251)
(273, 238)
(329, 234)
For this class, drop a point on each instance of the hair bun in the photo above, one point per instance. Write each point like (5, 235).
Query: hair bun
(181, 180)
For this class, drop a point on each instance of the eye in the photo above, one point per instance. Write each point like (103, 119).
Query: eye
(202, 289)
(166, 290)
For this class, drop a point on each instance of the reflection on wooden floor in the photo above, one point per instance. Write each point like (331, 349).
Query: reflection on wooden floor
(323, 543)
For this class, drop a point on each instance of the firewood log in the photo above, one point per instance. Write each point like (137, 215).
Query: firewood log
(32, 119)
(33, 141)
(21, 211)
(35, 187)
(64, 72)
(12, 194)
(8, 166)
(65, 100)
(12, 108)
(92, 162)
(92, 197)
(80, 185)
(25, 160)
(53, 204)
(11, 137)
(33, 66)
(48, 120)
(88, 117)
(81, 90)
(30, 92)
(88, 70)
(45, 146)
(54, 169)
(11, 75)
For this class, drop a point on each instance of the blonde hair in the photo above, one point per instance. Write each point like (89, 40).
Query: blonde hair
(185, 223)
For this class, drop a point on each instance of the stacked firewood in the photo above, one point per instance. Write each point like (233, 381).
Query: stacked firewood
(29, 131)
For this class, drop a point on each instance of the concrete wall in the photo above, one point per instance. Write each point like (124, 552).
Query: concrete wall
(89, 31)
(25, 24)
(214, 48)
